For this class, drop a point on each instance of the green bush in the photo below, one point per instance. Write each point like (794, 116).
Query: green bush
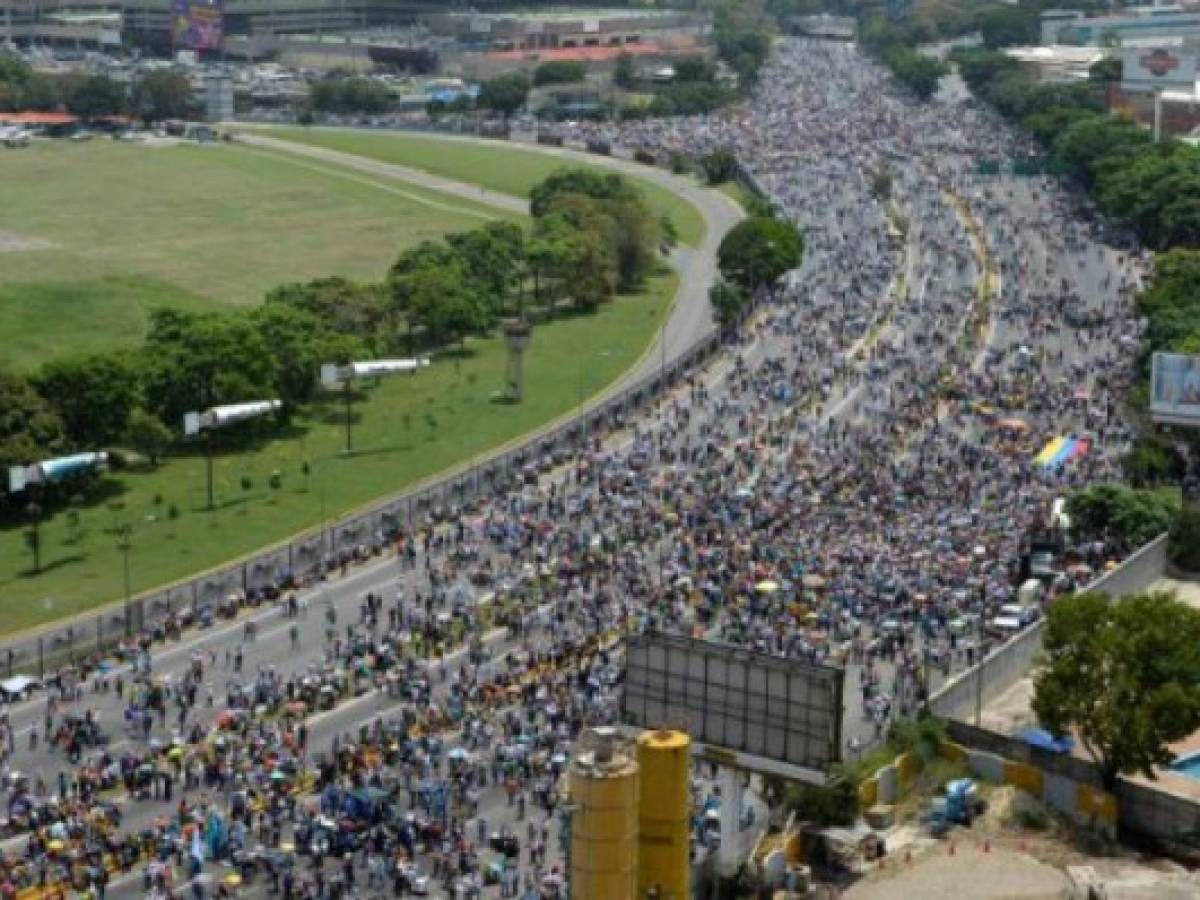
(1183, 545)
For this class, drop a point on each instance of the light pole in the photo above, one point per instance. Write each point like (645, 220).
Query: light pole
(204, 423)
(124, 533)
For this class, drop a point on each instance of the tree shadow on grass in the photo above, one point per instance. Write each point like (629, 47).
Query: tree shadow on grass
(53, 565)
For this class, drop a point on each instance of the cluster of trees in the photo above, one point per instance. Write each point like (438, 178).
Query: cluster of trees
(153, 96)
(593, 236)
(1117, 512)
(341, 93)
(890, 43)
(742, 31)
(559, 71)
(754, 254)
(1152, 188)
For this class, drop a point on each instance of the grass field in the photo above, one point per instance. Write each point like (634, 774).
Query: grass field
(123, 228)
(494, 166)
(407, 428)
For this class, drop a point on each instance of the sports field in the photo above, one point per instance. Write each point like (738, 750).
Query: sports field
(94, 234)
(494, 165)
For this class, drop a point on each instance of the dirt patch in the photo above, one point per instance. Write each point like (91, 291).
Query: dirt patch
(11, 242)
(970, 873)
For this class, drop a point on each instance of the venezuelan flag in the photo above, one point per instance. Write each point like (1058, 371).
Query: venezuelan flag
(1049, 451)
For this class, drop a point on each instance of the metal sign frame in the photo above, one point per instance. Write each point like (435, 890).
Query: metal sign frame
(737, 699)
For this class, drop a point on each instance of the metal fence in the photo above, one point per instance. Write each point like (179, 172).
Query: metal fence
(306, 557)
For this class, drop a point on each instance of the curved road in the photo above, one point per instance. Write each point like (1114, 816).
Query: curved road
(691, 318)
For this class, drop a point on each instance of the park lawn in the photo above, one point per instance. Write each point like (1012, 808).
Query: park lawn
(407, 428)
(495, 166)
(123, 228)
(738, 194)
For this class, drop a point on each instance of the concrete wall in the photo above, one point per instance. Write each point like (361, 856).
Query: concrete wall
(964, 696)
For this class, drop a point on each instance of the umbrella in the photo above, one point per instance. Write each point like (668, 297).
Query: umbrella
(813, 581)
(458, 753)
(767, 586)
(1013, 424)
(1040, 737)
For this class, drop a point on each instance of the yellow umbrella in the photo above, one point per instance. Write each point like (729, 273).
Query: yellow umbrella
(233, 879)
(55, 845)
(767, 587)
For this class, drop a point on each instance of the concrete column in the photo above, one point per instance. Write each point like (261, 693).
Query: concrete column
(729, 855)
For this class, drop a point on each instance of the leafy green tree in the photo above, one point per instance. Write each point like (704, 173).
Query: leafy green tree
(353, 94)
(1123, 676)
(41, 93)
(162, 95)
(727, 300)
(505, 94)
(346, 307)
(298, 342)
(1007, 26)
(432, 290)
(1183, 546)
(1119, 512)
(694, 68)
(93, 396)
(758, 250)
(1106, 70)
(720, 166)
(95, 96)
(921, 74)
(586, 182)
(493, 257)
(623, 73)
(559, 71)
(29, 428)
(147, 434)
(194, 361)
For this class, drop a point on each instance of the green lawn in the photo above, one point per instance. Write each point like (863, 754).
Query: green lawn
(408, 428)
(131, 228)
(124, 228)
(494, 166)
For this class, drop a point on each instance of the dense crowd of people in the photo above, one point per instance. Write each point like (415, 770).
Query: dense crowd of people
(858, 487)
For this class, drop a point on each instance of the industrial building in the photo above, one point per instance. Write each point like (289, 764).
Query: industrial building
(1071, 26)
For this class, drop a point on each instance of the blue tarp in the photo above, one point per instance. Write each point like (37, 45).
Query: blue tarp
(1040, 737)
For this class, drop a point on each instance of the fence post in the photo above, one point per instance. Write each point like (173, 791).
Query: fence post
(41, 659)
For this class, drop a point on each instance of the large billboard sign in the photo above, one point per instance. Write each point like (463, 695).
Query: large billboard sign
(1175, 389)
(199, 24)
(736, 699)
(1157, 68)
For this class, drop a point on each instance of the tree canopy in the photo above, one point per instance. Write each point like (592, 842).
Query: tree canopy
(1118, 512)
(504, 94)
(758, 250)
(162, 95)
(1123, 676)
(354, 94)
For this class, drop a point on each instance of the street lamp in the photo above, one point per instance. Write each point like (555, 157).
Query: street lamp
(124, 533)
(219, 417)
(334, 375)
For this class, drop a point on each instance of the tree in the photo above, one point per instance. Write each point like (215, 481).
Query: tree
(720, 166)
(341, 94)
(589, 183)
(93, 396)
(1184, 543)
(1114, 511)
(431, 289)
(345, 307)
(162, 95)
(298, 342)
(29, 428)
(1106, 70)
(623, 74)
(505, 94)
(194, 361)
(921, 74)
(1007, 26)
(559, 71)
(493, 258)
(96, 96)
(147, 434)
(727, 300)
(1123, 676)
(694, 68)
(759, 250)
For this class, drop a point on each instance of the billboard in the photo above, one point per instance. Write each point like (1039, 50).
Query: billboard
(736, 699)
(1175, 389)
(1158, 68)
(199, 24)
